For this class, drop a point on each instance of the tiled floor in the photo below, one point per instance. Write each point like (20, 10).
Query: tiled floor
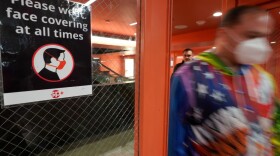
(120, 144)
(127, 150)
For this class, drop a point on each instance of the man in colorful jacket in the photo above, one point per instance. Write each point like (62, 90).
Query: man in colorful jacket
(221, 103)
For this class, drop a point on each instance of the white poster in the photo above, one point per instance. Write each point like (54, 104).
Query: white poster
(46, 50)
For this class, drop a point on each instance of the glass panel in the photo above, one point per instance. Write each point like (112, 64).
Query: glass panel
(193, 26)
(100, 124)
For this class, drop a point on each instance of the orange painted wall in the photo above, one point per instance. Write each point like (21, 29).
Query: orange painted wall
(194, 37)
(112, 60)
(115, 61)
(183, 41)
(129, 57)
(152, 95)
(154, 76)
(273, 65)
(252, 2)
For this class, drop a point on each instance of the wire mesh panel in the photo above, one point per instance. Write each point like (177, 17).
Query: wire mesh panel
(56, 127)
(101, 124)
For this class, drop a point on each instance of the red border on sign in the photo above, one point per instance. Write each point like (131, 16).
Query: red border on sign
(45, 78)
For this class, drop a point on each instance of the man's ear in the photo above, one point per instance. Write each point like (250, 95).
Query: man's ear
(221, 39)
(221, 33)
(53, 60)
(221, 36)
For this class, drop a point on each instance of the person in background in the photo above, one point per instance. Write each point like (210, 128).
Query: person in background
(187, 56)
(221, 103)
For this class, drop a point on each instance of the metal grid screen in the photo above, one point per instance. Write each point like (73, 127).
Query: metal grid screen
(75, 126)
(101, 124)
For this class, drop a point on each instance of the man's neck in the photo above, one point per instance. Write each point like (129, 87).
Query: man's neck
(50, 68)
(228, 62)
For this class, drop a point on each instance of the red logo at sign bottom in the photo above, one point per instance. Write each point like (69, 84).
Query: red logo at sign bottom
(56, 94)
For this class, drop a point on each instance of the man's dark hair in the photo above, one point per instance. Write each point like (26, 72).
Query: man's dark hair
(234, 15)
(51, 52)
(188, 49)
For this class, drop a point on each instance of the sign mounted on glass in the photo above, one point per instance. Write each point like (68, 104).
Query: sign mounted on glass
(45, 50)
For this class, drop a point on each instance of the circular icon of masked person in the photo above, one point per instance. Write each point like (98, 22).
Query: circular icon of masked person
(53, 63)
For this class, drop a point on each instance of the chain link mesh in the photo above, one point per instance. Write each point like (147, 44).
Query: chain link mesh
(101, 124)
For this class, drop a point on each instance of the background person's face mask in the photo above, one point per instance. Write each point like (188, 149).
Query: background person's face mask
(252, 51)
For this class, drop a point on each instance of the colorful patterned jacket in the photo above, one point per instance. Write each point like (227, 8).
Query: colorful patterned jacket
(214, 111)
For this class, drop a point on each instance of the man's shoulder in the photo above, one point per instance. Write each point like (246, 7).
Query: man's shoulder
(189, 67)
(179, 64)
(259, 72)
(264, 77)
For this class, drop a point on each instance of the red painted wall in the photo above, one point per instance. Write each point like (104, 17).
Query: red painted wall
(153, 81)
(194, 37)
(273, 65)
(152, 95)
(115, 61)
(199, 41)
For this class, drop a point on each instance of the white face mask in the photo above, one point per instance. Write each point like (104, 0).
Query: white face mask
(253, 51)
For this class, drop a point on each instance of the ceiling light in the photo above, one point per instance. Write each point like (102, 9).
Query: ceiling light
(214, 47)
(89, 2)
(217, 14)
(273, 42)
(112, 41)
(131, 24)
(180, 26)
(200, 22)
(134, 34)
